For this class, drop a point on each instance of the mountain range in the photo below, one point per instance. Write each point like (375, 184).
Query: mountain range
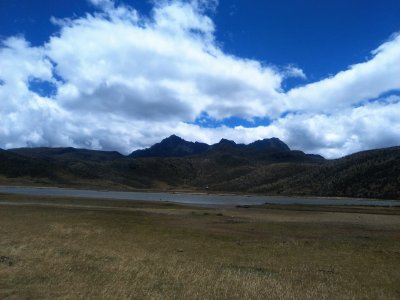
(266, 166)
(174, 146)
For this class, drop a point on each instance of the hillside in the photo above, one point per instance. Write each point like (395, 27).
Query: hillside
(67, 153)
(266, 167)
(13, 165)
(173, 146)
(372, 174)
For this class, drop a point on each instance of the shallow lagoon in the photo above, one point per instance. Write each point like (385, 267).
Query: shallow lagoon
(195, 199)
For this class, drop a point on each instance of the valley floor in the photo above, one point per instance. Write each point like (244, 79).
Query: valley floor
(87, 249)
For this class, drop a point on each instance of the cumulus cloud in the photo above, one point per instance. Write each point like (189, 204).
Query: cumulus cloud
(360, 83)
(291, 71)
(374, 125)
(124, 81)
(170, 62)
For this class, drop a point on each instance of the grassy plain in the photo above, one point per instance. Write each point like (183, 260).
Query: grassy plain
(60, 248)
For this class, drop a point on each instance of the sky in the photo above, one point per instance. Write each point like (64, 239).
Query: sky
(323, 76)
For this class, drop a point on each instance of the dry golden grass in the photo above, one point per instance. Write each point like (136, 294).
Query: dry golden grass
(88, 249)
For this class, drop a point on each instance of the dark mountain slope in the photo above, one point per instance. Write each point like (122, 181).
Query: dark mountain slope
(225, 166)
(68, 153)
(172, 146)
(273, 144)
(267, 149)
(13, 165)
(370, 174)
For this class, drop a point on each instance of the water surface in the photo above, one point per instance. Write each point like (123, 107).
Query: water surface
(194, 199)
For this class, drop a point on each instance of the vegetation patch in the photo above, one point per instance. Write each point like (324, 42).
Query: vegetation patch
(118, 250)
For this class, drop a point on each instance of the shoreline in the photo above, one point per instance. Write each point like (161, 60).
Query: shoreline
(188, 192)
(195, 198)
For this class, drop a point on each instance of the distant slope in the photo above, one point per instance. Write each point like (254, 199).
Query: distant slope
(13, 165)
(173, 146)
(67, 153)
(369, 174)
(266, 167)
(374, 173)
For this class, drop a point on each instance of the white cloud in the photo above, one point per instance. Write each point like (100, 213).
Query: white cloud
(359, 83)
(291, 71)
(170, 62)
(103, 4)
(374, 125)
(124, 81)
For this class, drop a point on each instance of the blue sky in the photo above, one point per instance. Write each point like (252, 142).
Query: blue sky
(313, 73)
(321, 37)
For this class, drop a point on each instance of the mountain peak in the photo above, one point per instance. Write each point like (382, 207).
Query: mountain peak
(172, 146)
(173, 138)
(175, 146)
(270, 144)
(226, 142)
